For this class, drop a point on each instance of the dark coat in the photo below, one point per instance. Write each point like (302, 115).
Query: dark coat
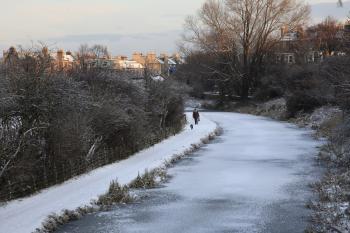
(195, 114)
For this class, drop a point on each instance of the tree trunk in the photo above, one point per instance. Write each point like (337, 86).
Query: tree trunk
(246, 77)
(93, 148)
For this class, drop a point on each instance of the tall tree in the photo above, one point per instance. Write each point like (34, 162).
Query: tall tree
(242, 32)
(327, 35)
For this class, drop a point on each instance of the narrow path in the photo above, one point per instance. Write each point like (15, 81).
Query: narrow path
(254, 178)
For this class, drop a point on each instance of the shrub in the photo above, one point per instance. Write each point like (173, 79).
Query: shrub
(302, 102)
(146, 181)
(268, 93)
(116, 194)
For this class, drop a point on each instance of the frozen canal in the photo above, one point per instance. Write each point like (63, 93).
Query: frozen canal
(253, 178)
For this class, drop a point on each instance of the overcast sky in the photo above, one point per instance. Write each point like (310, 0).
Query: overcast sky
(123, 25)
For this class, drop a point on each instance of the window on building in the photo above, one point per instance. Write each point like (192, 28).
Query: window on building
(290, 59)
(278, 58)
(310, 58)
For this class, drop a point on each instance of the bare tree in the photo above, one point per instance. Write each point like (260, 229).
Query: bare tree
(83, 55)
(244, 31)
(86, 53)
(327, 35)
(99, 51)
(35, 60)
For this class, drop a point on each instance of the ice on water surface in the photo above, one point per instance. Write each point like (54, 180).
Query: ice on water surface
(254, 178)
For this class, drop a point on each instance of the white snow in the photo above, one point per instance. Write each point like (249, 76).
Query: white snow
(25, 215)
(158, 78)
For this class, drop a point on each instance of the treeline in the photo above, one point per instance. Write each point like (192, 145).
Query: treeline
(309, 86)
(251, 49)
(56, 124)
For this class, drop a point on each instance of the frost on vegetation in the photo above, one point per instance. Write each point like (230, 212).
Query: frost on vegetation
(53, 221)
(116, 194)
(324, 119)
(322, 115)
(331, 213)
(149, 179)
(275, 109)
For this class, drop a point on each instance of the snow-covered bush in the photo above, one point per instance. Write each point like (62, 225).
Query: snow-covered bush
(149, 180)
(146, 181)
(331, 212)
(116, 194)
(275, 109)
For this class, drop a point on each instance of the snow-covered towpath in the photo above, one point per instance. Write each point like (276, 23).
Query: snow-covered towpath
(23, 216)
(252, 179)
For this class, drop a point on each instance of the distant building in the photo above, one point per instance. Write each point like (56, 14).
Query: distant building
(101, 63)
(139, 64)
(123, 63)
(295, 47)
(117, 64)
(313, 44)
(158, 65)
(346, 36)
(63, 60)
(149, 62)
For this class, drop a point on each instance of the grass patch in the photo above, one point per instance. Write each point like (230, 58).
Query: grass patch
(149, 180)
(54, 221)
(116, 194)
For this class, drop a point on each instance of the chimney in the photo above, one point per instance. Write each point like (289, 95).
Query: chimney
(177, 57)
(12, 51)
(45, 51)
(138, 57)
(284, 30)
(151, 56)
(60, 54)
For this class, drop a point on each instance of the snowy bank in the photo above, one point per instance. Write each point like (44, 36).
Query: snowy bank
(25, 215)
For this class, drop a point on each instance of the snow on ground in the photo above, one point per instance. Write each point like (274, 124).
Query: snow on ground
(25, 215)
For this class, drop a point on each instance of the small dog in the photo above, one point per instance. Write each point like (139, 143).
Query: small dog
(191, 126)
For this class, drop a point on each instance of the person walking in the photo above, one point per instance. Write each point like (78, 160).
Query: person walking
(195, 116)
